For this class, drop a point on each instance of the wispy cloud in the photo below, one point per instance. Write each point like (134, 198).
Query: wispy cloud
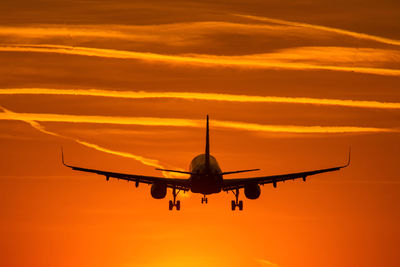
(146, 161)
(256, 61)
(267, 263)
(183, 33)
(338, 56)
(201, 96)
(61, 30)
(324, 28)
(298, 129)
(176, 122)
(177, 34)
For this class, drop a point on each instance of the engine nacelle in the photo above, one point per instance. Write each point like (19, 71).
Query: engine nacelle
(252, 191)
(158, 190)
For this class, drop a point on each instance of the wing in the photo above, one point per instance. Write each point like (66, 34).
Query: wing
(182, 184)
(231, 184)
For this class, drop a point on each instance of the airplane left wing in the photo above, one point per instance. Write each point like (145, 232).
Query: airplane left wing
(231, 184)
(181, 184)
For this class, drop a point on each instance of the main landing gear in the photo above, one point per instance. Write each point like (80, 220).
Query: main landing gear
(204, 199)
(175, 203)
(236, 203)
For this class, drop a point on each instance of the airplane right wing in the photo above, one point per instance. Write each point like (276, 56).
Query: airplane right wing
(231, 184)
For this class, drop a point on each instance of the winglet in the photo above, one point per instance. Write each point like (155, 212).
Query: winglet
(62, 157)
(348, 160)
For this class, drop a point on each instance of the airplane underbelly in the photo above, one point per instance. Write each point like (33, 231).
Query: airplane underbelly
(206, 185)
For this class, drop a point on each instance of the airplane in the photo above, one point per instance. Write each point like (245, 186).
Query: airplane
(206, 178)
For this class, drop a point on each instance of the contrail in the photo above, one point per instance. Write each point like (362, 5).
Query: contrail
(325, 28)
(174, 122)
(146, 161)
(201, 96)
(258, 61)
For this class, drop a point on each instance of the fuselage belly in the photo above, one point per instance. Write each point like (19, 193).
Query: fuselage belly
(205, 179)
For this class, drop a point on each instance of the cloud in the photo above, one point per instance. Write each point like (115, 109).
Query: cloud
(324, 28)
(146, 161)
(267, 263)
(178, 34)
(183, 33)
(338, 56)
(276, 60)
(175, 122)
(46, 31)
(201, 96)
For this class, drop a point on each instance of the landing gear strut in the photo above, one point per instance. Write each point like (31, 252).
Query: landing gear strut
(174, 203)
(236, 203)
(204, 199)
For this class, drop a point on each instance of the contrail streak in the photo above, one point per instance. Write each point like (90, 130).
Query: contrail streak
(325, 28)
(146, 161)
(258, 61)
(201, 96)
(151, 121)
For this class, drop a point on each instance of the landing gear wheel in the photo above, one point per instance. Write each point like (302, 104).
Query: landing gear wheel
(174, 203)
(206, 200)
(240, 205)
(236, 203)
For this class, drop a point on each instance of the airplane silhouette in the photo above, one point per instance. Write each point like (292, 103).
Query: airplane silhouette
(206, 178)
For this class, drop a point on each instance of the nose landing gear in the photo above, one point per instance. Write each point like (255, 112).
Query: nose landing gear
(204, 199)
(236, 203)
(177, 205)
(174, 203)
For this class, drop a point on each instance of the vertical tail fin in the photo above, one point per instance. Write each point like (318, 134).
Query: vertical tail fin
(207, 154)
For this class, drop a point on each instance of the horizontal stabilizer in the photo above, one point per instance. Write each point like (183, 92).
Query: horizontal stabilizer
(251, 170)
(165, 170)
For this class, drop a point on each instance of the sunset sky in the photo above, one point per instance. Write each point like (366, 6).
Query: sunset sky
(125, 86)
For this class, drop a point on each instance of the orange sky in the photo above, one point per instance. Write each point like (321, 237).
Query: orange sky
(125, 87)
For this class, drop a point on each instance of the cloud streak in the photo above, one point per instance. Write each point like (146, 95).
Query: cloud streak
(358, 35)
(145, 161)
(181, 33)
(201, 96)
(173, 122)
(276, 61)
(172, 34)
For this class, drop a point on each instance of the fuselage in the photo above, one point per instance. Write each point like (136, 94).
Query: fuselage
(205, 179)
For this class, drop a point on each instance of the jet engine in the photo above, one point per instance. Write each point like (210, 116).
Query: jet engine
(252, 191)
(158, 190)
